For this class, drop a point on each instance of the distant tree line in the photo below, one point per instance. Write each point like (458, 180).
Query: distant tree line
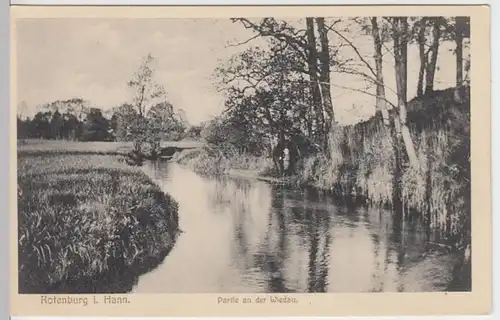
(75, 120)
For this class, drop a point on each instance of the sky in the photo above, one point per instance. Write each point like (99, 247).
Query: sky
(62, 58)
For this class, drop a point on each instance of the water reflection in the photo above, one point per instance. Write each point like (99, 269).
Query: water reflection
(249, 236)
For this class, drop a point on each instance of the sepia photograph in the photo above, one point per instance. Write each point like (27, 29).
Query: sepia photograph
(243, 155)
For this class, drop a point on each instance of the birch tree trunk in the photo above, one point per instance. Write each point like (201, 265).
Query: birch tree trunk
(381, 101)
(400, 37)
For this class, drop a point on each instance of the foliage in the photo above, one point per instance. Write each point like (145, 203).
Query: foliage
(122, 122)
(145, 90)
(55, 120)
(67, 125)
(268, 100)
(193, 132)
(96, 127)
(153, 117)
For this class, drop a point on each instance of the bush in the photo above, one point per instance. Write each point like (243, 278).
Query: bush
(230, 136)
(213, 161)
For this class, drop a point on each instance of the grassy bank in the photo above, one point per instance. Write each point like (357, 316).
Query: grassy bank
(88, 222)
(209, 161)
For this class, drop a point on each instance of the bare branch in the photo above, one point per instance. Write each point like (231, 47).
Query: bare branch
(244, 42)
(388, 49)
(367, 77)
(355, 50)
(353, 89)
(295, 42)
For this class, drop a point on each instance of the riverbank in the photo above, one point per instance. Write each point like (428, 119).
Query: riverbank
(361, 161)
(88, 222)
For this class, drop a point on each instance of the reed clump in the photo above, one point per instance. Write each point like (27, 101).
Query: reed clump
(361, 163)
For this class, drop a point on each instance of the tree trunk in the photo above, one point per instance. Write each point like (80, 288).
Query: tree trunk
(324, 63)
(400, 33)
(397, 204)
(312, 62)
(459, 56)
(381, 102)
(431, 66)
(428, 187)
(421, 49)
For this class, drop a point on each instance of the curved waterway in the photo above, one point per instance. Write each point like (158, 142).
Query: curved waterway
(247, 236)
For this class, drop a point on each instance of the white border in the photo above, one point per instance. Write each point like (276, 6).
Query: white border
(4, 122)
(244, 2)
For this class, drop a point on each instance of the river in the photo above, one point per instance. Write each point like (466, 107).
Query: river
(248, 236)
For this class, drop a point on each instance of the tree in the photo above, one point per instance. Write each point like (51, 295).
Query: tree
(113, 125)
(146, 90)
(421, 25)
(21, 109)
(181, 117)
(60, 119)
(313, 68)
(96, 127)
(381, 101)
(324, 66)
(56, 125)
(380, 30)
(146, 93)
(71, 126)
(310, 58)
(265, 92)
(430, 72)
(70, 118)
(462, 29)
(22, 124)
(41, 125)
(400, 39)
(194, 132)
(162, 125)
(124, 117)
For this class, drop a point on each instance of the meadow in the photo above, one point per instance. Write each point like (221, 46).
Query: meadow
(87, 221)
(42, 147)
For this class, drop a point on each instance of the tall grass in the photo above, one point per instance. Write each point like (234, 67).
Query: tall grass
(361, 162)
(88, 223)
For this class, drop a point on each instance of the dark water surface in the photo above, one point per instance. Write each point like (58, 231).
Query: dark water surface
(245, 236)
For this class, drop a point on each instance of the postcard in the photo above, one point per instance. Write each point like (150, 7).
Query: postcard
(250, 161)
